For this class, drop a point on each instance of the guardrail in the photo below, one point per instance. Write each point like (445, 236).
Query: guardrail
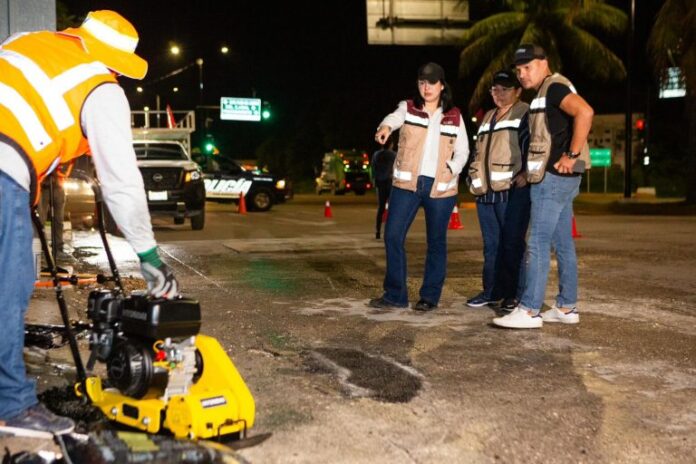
(184, 120)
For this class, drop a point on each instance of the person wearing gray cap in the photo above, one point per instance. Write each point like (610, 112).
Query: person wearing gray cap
(433, 149)
(497, 178)
(559, 122)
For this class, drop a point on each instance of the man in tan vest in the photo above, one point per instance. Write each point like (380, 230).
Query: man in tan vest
(559, 122)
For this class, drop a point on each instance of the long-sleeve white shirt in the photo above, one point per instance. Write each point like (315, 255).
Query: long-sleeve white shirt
(431, 148)
(105, 120)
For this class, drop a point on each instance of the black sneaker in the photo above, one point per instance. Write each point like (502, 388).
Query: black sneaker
(39, 419)
(381, 303)
(423, 305)
(479, 301)
(509, 304)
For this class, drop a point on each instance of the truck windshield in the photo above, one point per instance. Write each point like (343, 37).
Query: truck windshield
(159, 151)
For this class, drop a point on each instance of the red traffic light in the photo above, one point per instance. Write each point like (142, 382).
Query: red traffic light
(640, 124)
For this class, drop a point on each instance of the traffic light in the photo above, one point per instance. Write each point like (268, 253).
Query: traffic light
(209, 147)
(640, 125)
(266, 111)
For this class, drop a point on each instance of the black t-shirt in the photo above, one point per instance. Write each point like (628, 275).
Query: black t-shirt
(560, 126)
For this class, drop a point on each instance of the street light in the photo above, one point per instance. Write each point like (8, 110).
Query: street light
(174, 50)
(199, 62)
(224, 50)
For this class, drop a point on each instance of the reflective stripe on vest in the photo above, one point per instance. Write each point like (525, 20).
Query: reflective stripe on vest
(485, 127)
(37, 78)
(403, 175)
(500, 175)
(77, 75)
(444, 186)
(538, 104)
(447, 129)
(505, 124)
(18, 106)
(417, 120)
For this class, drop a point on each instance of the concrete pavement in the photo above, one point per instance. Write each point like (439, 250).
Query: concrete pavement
(335, 381)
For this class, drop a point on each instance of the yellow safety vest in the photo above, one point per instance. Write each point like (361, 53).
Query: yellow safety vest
(45, 78)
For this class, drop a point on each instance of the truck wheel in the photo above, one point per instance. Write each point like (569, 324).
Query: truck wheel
(261, 200)
(197, 222)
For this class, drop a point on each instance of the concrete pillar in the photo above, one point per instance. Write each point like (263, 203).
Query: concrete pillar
(26, 15)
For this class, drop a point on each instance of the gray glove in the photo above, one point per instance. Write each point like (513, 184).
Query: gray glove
(161, 282)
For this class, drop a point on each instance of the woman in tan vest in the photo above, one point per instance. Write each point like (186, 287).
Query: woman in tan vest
(502, 194)
(433, 149)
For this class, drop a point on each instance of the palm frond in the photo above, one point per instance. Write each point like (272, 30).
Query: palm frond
(602, 17)
(501, 61)
(484, 50)
(538, 34)
(672, 40)
(592, 56)
(667, 32)
(496, 24)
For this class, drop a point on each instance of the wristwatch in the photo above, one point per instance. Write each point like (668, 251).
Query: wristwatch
(571, 155)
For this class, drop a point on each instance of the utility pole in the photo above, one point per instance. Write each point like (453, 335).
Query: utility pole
(628, 161)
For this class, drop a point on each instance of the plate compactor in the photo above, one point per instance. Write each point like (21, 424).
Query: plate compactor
(161, 373)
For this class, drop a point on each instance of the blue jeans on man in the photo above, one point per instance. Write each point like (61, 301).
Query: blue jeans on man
(503, 228)
(17, 392)
(551, 226)
(403, 206)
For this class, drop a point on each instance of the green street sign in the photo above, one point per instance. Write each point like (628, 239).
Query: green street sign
(600, 157)
(240, 109)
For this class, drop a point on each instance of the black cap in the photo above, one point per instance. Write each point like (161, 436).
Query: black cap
(506, 79)
(431, 72)
(528, 52)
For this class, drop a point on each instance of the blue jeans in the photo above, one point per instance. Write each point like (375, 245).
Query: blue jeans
(17, 392)
(551, 225)
(503, 228)
(403, 206)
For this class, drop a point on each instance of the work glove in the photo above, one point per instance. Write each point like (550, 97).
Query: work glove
(160, 279)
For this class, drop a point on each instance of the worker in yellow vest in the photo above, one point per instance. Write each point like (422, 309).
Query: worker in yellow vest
(59, 99)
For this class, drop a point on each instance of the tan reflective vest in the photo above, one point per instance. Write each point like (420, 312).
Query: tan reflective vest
(539, 135)
(45, 78)
(412, 136)
(498, 154)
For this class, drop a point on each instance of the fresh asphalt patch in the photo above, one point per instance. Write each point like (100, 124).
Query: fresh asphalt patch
(363, 375)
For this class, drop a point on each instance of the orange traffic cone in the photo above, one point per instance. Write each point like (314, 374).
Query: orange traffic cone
(386, 212)
(576, 234)
(241, 209)
(327, 210)
(455, 221)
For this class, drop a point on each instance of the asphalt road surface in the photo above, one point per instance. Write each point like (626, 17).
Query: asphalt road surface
(285, 292)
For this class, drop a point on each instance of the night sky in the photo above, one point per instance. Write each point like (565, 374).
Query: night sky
(309, 59)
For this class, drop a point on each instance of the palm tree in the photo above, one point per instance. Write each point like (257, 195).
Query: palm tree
(562, 27)
(672, 43)
(64, 18)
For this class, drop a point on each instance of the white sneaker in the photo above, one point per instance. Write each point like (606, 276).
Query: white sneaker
(519, 319)
(558, 315)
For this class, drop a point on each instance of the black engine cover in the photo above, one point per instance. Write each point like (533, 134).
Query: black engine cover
(160, 319)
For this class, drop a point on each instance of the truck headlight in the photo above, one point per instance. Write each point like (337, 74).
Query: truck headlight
(280, 185)
(192, 175)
